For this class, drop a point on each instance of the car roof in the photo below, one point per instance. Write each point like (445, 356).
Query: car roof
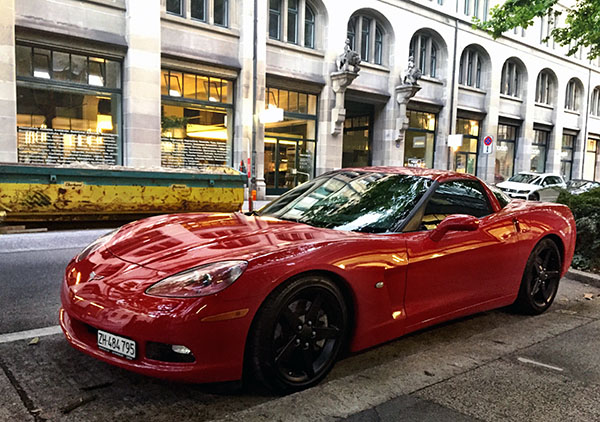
(434, 174)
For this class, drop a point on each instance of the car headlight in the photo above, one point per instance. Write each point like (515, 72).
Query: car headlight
(203, 280)
(96, 244)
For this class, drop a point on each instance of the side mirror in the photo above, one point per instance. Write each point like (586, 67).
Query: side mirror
(455, 222)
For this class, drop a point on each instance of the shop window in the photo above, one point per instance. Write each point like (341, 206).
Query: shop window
(566, 155)
(466, 154)
(425, 53)
(290, 145)
(573, 95)
(356, 148)
(595, 102)
(297, 11)
(590, 162)
(68, 107)
(470, 67)
(196, 120)
(544, 88)
(539, 147)
(505, 152)
(419, 142)
(511, 79)
(366, 36)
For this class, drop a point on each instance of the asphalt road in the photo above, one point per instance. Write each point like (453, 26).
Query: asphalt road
(31, 270)
(495, 366)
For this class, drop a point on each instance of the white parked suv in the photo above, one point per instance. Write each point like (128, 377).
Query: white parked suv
(533, 186)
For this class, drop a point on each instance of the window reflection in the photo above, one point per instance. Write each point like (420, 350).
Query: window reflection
(352, 201)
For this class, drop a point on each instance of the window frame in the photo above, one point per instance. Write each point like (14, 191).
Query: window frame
(373, 50)
(572, 96)
(544, 88)
(424, 50)
(470, 59)
(468, 184)
(510, 81)
(305, 18)
(595, 102)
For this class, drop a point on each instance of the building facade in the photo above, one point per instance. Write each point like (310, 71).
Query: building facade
(171, 84)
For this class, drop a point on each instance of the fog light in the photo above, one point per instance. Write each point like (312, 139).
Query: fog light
(180, 349)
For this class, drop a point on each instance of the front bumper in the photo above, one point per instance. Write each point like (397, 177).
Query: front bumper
(517, 195)
(105, 304)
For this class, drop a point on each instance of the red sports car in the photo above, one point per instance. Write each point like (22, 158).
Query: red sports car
(351, 259)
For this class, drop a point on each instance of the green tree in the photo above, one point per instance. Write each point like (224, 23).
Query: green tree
(581, 24)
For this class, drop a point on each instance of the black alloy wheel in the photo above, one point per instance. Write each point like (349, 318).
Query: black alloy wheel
(540, 279)
(298, 334)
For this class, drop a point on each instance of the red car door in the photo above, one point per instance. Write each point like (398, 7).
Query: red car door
(463, 269)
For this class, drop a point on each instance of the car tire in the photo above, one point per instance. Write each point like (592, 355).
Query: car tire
(298, 334)
(534, 196)
(540, 279)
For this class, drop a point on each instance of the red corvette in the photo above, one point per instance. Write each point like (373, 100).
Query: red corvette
(346, 261)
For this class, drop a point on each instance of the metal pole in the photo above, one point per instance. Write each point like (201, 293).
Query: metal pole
(252, 182)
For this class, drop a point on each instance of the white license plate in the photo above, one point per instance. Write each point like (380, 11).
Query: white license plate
(118, 345)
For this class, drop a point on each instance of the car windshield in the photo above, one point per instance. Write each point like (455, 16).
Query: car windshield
(576, 184)
(533, 179)
(351, 201)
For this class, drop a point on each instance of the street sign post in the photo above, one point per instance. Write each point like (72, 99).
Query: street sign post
(488, 142)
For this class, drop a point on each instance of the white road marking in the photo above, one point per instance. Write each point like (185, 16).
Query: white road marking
(22, 335)
(533, 362)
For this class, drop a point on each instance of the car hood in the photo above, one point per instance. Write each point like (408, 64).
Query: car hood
(517, 186)
(171, 243)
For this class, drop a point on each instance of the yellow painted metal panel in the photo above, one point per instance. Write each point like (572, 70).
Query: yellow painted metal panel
(33, 201)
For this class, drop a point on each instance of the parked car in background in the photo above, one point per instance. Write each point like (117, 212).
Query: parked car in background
(533, 186)
(579, 186)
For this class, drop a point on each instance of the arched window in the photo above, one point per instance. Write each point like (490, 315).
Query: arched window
(511, 79)
(573, 95)
(595, 103)
(424, 51)
(469, 72)
(198, 10)
(309, 27)
(544, 87)
(366, 37)
(290, 29)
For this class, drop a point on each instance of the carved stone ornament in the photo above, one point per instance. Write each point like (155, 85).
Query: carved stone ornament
(349, 60)
(412, 74)
(407, 90)
(347, 65)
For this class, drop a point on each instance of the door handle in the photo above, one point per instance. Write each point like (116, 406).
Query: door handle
(517, 225)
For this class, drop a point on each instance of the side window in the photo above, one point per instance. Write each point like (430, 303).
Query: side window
(455, 197)
(547, 181)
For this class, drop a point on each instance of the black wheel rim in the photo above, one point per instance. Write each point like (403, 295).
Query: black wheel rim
(545, 274)
(307, 335)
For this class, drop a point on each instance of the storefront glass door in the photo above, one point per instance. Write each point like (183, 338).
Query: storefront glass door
(288, 163)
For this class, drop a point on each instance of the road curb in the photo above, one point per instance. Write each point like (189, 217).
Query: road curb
(584, 277)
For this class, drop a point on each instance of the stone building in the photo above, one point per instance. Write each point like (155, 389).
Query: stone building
(151, 83)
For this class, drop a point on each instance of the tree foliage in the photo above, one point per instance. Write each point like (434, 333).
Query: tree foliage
(581, 25)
